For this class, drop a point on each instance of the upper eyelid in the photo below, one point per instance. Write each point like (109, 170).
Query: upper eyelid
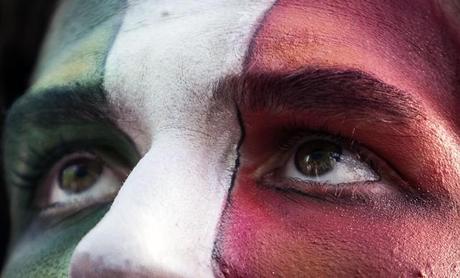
(296, 134)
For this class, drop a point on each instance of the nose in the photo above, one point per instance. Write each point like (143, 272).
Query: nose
(163, 221)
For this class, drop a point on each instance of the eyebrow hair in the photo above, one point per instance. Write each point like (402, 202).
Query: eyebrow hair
(59, 106)
(345, 92)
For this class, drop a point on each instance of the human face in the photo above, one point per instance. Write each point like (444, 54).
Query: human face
(239, 139)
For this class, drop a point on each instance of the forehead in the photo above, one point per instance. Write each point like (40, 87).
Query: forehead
(77, 43)
(409, 44)
(148, 54)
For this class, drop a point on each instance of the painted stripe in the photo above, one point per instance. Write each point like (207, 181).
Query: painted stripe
(162, 70)
(78, 43)
(264, 233)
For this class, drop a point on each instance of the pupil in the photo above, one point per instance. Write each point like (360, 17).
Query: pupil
(317, 155)
(81, 171)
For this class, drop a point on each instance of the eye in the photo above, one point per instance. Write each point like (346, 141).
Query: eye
(80, 175)
(333, 169)
(79, 180)
(326, 161)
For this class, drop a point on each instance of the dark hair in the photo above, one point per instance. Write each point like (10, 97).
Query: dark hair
(23, 24)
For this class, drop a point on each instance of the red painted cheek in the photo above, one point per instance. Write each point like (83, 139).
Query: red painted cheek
(268, 233)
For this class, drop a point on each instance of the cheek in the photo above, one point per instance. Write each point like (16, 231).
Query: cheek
(265, 232)
(46, 248)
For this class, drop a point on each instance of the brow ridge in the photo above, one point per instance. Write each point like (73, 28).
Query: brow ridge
(345, 92)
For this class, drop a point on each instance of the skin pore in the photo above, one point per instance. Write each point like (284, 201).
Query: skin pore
(196, 110)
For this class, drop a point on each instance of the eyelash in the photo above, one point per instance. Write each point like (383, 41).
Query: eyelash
(39, 161)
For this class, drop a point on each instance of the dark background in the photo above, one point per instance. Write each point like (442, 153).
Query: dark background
(22, 27)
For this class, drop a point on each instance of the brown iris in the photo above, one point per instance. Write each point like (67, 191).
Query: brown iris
(317, 157)
(80, 175)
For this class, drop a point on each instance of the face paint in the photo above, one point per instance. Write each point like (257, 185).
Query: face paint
(69, 72)
(269, 231)
(191, 135)
(216, 97)
(46, 249)
(78, 43)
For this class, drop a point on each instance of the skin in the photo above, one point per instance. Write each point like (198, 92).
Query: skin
(204, 196)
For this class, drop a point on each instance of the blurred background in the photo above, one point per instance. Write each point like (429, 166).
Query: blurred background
(22, 27)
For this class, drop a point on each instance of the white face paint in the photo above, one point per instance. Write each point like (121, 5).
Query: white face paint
(162, 69)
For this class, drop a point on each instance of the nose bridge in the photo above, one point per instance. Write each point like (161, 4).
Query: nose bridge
(163, 221)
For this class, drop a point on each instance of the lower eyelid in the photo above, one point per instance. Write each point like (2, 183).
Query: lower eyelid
(63, 209)
(352, 193)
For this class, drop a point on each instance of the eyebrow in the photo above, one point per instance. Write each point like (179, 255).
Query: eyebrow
(59, 106)
(344, 92)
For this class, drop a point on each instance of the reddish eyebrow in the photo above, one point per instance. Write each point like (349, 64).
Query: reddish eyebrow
(346, 92)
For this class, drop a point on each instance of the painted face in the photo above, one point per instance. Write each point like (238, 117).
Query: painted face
(239, 139)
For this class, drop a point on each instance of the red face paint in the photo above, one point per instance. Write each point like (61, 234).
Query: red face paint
(267, 232)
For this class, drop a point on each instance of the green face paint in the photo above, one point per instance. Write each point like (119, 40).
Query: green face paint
(46, 248)
(64, 110)
(38, 137)
(78, 43)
